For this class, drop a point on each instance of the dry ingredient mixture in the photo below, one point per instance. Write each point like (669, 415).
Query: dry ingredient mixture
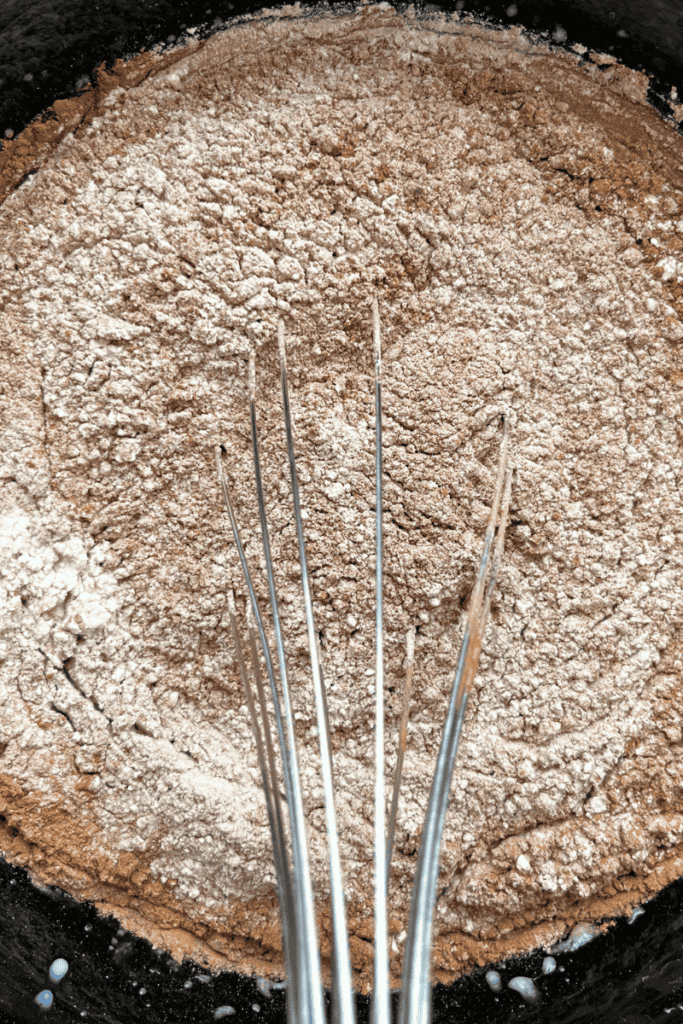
(520, 213)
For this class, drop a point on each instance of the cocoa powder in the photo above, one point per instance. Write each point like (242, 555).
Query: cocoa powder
(519, 212)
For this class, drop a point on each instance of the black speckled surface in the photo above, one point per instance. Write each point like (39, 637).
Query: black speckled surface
(107, 968)
(631, 975)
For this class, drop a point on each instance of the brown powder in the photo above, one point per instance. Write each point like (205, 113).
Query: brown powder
(520, 214)
(23, 156)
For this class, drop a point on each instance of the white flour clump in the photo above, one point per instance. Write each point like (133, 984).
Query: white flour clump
(138, 270)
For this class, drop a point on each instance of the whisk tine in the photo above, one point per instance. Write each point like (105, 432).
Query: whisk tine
(343, 1002)
(402, 743)
(290, 944)
(415, 1002)
(480, 623)
(290, 950)
(500, 543)
(306, 978)
(267, 768)
(251, 378)
(260, 690)
(380, 1006)
(475, 601)
(270, 787)
(309, 980)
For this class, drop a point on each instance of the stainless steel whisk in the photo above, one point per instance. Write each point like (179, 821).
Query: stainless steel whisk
(305, 1002)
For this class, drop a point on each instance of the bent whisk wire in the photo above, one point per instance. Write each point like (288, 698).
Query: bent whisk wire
(305, 1004)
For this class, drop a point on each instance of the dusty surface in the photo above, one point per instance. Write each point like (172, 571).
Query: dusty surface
(520, 214)
(21, 157)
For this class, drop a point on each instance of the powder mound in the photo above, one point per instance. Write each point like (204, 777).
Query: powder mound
(513, 209)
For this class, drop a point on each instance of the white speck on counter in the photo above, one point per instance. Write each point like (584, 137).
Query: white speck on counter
(526, 988)
(58, 969)
(494, 981)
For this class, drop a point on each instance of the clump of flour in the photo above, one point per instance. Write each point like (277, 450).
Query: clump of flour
(140, 268)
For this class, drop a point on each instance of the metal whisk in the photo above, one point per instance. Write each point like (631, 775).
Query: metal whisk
(305, 1003)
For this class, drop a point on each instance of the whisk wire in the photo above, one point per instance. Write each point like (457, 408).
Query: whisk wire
(402, 743)
(266, 760)
(415, 1001)
(343, 1000)
(380, 1004)
(309, 980)
(289, 923)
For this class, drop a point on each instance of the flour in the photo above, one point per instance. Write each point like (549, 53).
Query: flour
(291, 169)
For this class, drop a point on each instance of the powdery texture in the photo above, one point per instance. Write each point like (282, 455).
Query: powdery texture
(527, 260)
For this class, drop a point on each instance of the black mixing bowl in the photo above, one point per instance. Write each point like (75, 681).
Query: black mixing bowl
(49, 50)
